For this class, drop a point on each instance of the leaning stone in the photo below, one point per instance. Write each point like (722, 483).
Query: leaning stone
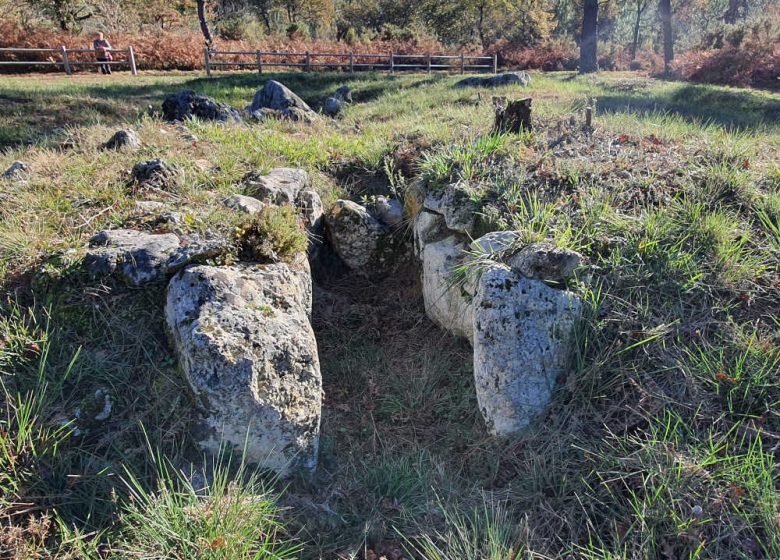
(247, 349)
(523, 344)
(141, 258)
(157, 174)
(241, 203)
(188, 104)
(455, 203)
(358, 238)
(389, 210)
(447, 302)
(15, 171)
(279, 186)
(124, 140)
(544, 261)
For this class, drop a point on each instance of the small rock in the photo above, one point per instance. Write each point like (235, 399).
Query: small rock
(147, 207)
(344, 93)
(141, 258)
(157, 174)
(15, 171)
(241, 203)
(494, 242)
(94, 408)
(389, 210)
(124, 140)
(188, 104)
(544, 261)
(279, 186)
(332, 106)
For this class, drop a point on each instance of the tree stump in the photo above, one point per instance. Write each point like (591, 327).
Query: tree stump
(512, 116)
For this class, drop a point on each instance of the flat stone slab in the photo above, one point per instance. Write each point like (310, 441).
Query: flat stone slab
(141, 258)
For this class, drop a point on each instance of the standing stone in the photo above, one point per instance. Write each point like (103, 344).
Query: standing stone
(276, 100)
(447, 300)
(455, 203)
(358, 238)
(523, 343)
(188, 104)
(123, 140)
(247, 348)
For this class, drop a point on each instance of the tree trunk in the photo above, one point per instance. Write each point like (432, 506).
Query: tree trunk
(665, 11)
(640, 8)
(204, 26)
(480, 25)
(590, 36)
(512, 116)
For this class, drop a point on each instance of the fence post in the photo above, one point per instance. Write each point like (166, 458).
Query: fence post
(495, 64)
(65, 62)
(392, 64)
(131, 58)
(462, 63)
(206, 58)
(429, 63)
(351, 62)
(308, 61)
(259, 62)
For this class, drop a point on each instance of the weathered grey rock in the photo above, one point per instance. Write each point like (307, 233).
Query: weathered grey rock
(246, 346)
(456, 205)
(358, 238)
(523, 343)
(157, 174)
(344, 93)
(428, 227)
(520, 78)
(188, 104)
(312, 210)
(124, 140)
(332, 106)
(279, 186)
(545, 261)
(146, 207)
(141, 258)
(241, 203)
(493, 243)
(447, 301)
(389, 210)
(276, 100)
(15, 171)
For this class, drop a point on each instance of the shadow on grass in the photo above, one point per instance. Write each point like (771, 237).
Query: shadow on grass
(734, 110)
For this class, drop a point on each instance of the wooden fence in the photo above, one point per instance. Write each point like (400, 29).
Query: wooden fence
(83, 57)
(350, 61)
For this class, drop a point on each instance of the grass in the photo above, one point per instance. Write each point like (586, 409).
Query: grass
(661, 443)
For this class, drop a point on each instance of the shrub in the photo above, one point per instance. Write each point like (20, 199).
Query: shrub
(272, 234)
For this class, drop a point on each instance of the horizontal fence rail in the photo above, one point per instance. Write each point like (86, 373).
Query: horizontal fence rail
(350, 61)
(68, 59)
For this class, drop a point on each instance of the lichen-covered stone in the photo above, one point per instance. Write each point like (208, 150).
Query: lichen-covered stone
(245, 344)
(428, 227)
(141, 258)
(245, 204)
(279, 186)
(545, 261)
(523, 344)
(456, 205)
(493, 243)
(390, 211)
(276, 100)
(358, 238)
(157, 174)
(446, 297)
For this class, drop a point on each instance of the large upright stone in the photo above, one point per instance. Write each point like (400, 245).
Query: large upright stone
(523, 343)
(276, 100)
(358, 238)
(245, 344)
(446, 297)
